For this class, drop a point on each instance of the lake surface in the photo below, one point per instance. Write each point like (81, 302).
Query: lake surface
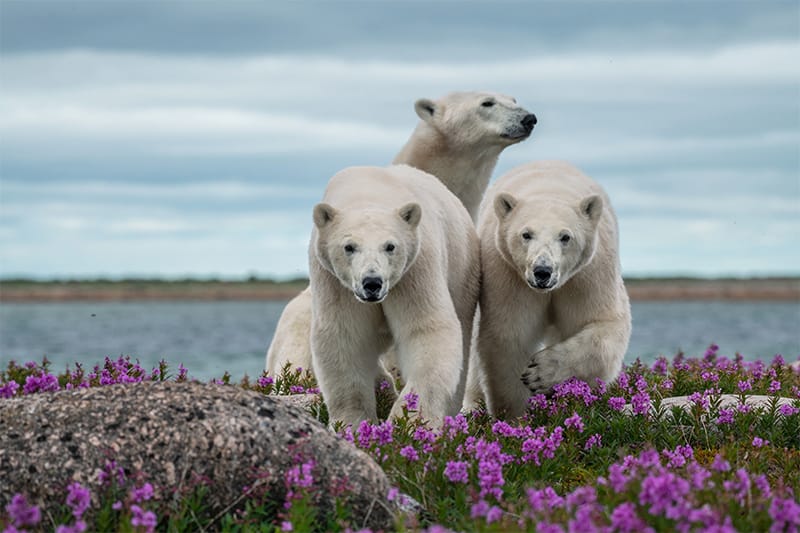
(212, 337)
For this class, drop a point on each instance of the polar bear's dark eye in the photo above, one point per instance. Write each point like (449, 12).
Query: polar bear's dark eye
(349, 248)
(526, 235)
(488, 103)
(565, 239)
(389, 247)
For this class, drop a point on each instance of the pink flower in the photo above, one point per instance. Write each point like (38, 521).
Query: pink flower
(574, 422)
(617, 403)
(409, 453)
(758, 442)
(594, 440)
(457, 471)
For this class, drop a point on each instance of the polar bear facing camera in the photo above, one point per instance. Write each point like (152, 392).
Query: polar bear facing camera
(393, 259)
(553, 303)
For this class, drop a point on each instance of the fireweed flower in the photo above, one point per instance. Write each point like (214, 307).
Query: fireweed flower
(9, 389)
(144, 493)
(720, 464)
(78, 499)
(785, 513)
(457, 471)
(774, 387)
(265, 381)
(594, 440)
(788, 410)
(758, 442)
(574, 422)
(745, 385)
(625, 520)
(142, 518)
(661, 366)
(78, 527)
(412, 401)
(297, 389)
(725, 416)
(409, 453)
(640, 403)
(617, 403)
(667, 384)
(22, 514)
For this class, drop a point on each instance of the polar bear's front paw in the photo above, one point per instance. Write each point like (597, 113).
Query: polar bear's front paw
(541, 375)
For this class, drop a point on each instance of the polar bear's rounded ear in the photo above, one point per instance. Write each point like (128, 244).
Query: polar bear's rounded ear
(323, 213)
(592, 207)
(425, 109)
(411, 213)
(504, 203)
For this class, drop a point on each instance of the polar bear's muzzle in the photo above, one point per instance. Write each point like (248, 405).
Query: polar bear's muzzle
(520, 130)
(542, 277)
(373, 289)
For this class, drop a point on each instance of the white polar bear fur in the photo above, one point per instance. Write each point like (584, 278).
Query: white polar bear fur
(458, 140)
(431, 283)
(530, 339)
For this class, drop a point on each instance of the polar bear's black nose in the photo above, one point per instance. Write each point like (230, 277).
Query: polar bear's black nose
(372, 285)
(529, 121)
(542, 274)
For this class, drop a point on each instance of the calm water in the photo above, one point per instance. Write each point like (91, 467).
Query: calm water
(212, 337)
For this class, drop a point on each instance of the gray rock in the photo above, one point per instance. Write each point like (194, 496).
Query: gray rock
(174, 431)
(727, 401)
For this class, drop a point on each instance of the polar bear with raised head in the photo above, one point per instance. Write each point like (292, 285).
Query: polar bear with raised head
(393, 260)
(553, 304)
(458, 139)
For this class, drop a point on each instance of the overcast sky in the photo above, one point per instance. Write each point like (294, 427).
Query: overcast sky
(194, 138)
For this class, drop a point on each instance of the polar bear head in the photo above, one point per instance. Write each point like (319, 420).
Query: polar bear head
(368, 250)
(475, 118)
(547, 242)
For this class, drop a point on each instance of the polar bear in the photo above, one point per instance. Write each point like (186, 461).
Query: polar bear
(458, 139)
(393, 260)
(553, 304)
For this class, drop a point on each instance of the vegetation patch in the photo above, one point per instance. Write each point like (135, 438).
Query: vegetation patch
(585, 458)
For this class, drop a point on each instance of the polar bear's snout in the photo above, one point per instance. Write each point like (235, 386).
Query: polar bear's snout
(372, 289)
(528, 122)
(541, 275)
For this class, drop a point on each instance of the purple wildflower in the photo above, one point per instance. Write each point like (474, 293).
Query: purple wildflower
(720, 464)
(725, 416)
(625, 520)
(21, 513)
(300, 475)
(78, 527)
(409, 453)
(393, 493)
(265, 381)
(665, 494)
(142, 518)
(42, 383)
(412, 401)
(479, 509)
(758, 442)
(745, 385)
(9, 389)
(661, 366)
(640, 403)
(574, 422)
(544, 499)
(788, 410)
(617, 403)
(78, 499)
(700, 400)
(145, 492)
(493, 514)
(286, 525)
(667, 384)
(594, 440)
(785, 514)
(456, 471)
(297, 389)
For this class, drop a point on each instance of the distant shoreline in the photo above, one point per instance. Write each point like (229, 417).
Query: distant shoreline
(651, 289)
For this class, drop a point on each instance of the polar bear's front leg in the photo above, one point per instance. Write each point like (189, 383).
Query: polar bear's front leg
(595, 352)
(430, 349)
(345, 342)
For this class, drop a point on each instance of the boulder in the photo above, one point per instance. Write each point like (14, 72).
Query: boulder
(172, 433)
